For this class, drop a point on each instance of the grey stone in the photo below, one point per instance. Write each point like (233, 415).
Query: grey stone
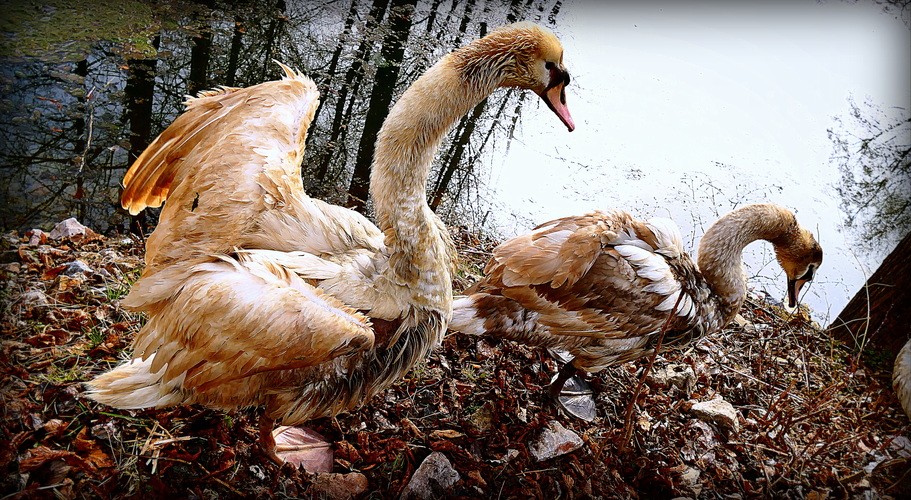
(431, 479)
(679, 375)
(76, 268)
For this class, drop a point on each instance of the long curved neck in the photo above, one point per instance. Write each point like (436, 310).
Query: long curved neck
(721, 249)
(406, 144)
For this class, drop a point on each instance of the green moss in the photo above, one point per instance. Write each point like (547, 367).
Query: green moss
(68, 28)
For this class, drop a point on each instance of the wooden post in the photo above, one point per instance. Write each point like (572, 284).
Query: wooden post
(879, 315)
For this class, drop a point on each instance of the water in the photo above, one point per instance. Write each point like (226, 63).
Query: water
(682, 111)
(687, 111)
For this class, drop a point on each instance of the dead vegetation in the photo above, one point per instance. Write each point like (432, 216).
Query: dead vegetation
(808, 421)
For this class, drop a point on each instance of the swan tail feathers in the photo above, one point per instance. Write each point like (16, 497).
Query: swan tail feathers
(133, 385)
(465, 316)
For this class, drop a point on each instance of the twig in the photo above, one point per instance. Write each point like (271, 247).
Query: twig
(760, 446)
(791, 394)
(88, 139)
(537, 470)
(628, 420)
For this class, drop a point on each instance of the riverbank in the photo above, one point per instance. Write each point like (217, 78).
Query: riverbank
(806, 419)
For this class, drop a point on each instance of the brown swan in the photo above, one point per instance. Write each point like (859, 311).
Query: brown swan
(602, 285)
(259, 295)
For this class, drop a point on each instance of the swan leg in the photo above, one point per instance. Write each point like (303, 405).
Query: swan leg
(298, 446)
(573, 394)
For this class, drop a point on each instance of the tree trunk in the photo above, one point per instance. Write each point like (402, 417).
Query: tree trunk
(392, 53)
(326, 80)
(351, 86)
(234, 54)
(455, 157)
(880, 313)
(276, 26)
(140, 93)
(80, 144)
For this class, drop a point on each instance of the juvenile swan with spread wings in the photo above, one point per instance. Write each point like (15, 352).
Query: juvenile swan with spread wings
(602, 285)
(260, 295)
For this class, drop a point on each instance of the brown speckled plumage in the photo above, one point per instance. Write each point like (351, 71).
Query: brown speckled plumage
(602, 285)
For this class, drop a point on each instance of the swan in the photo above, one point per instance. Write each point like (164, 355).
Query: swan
(901, 377)
(602, 285)
(257, 294)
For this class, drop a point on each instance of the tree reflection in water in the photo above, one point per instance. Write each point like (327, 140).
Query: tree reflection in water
(72, 121)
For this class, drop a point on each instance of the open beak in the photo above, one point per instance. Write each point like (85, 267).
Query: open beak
(794, 287)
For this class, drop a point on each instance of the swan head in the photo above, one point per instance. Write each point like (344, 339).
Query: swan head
(524, 55)
(800, 256)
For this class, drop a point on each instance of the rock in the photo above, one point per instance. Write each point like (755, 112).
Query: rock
(744, 323)
(678, 375)
(36, 237)
(257, 472)
(76, 268)
(555, 440)
(485, 351)
(68, 228)
(689, 479)
(382, 422)
(339, 486)
(33, 298)
(12, 267)
(431, 479)
(10, 239)
(900, 445)
(719, 412)
(107, 431)
(702, 440)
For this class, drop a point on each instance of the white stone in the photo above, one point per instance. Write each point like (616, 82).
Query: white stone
(33, 298)
(717, 411)
(76, 268)
(555, 440)
(65, 229)
(34, 237)
(679, 375)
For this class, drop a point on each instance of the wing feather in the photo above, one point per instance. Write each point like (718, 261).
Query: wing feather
(195, 141)
(602, 275)
(234, 318)
(559, 252)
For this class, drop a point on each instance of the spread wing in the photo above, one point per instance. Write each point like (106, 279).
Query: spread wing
(243, 315)
(229, 168)
(224, 140)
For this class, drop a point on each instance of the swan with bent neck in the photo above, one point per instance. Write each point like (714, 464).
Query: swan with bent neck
(259, 295)
(602, 286)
